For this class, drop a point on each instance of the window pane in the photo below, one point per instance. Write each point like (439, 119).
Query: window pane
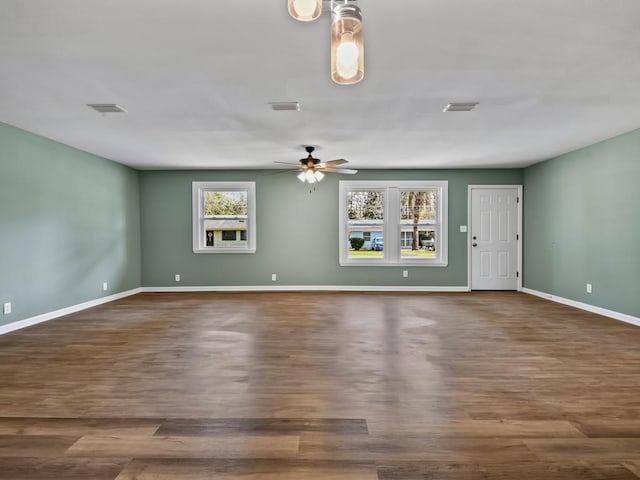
(366, 224)
(366, 206)
(358, 247)
(223, 232)
(225, 203)
(424, 247)
(225, 215)
(418, 207)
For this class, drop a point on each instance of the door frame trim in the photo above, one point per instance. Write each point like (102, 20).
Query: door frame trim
(520, 238)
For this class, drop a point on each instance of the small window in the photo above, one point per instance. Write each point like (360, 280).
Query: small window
(228, 235)
(393, 223)
(224, 217)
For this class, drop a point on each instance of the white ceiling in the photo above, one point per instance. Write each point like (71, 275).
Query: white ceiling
(196, 77)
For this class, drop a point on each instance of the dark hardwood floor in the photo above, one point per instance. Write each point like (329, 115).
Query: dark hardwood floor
(322, 386)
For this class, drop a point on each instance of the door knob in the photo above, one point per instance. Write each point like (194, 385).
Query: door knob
(474, 244)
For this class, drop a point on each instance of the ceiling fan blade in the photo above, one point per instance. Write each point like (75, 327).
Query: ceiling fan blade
(286, 163)
(333, 163)
(340, 170)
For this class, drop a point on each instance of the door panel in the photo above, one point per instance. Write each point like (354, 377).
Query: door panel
(494, 229)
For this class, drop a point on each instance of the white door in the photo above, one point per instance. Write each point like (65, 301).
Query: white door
(494, 238)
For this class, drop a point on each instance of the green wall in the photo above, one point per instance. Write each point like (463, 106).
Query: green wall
(582, 225)
(69, 221)
(297, 231)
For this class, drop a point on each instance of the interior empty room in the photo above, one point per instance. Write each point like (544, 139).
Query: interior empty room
(319, 239)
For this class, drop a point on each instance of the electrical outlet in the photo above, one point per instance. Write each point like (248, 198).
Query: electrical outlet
(589, 288)
(7, 308)
(405, 273)
(177, 277)
(274, 277)
(105, 286)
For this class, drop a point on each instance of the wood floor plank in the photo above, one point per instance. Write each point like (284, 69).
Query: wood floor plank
(246, 470)
(78, 426)
(209, 427)
(592, 450)
(528, 471)
(633, 466)
(414, 448)
(611, 428)
(35, 445)
(478, 428)
(60, 468)
(280, 446)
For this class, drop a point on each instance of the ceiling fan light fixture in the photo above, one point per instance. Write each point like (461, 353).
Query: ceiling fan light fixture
(347, 45)
(310, 177)
(302, 176)
(319, 175)
(305, 10)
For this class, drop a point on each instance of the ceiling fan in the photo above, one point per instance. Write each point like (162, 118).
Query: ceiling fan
(312, 169)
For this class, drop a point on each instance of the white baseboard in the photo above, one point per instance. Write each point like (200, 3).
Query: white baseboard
(27, 322)
(623, 317)
(306, 288)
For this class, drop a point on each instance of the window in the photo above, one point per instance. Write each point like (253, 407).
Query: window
(228, 235)
(224, 219)
(393, 223)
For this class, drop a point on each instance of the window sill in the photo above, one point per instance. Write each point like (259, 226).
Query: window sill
(385, 263)
(225, 250)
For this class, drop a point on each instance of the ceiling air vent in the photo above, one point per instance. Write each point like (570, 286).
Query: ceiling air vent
(285, 106)
(106, 107)
(460, 107)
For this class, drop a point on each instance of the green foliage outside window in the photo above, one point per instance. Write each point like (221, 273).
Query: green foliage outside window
(356, 243)
(225, 203)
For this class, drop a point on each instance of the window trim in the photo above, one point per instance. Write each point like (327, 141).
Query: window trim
(197, 192)
(392, 223)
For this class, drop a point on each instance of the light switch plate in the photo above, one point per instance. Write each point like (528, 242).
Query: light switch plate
(463, 229)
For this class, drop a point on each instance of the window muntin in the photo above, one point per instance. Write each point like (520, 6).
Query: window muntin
(408, 219)
(224, 217)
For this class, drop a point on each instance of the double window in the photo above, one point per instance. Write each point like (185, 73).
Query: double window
(393, 223)
(224, 217)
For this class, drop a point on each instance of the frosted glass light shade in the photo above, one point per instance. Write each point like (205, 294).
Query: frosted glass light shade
(305, 10)
(347, 46)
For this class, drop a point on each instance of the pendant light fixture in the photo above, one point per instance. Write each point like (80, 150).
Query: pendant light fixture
(305, 10)
(347, 46)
